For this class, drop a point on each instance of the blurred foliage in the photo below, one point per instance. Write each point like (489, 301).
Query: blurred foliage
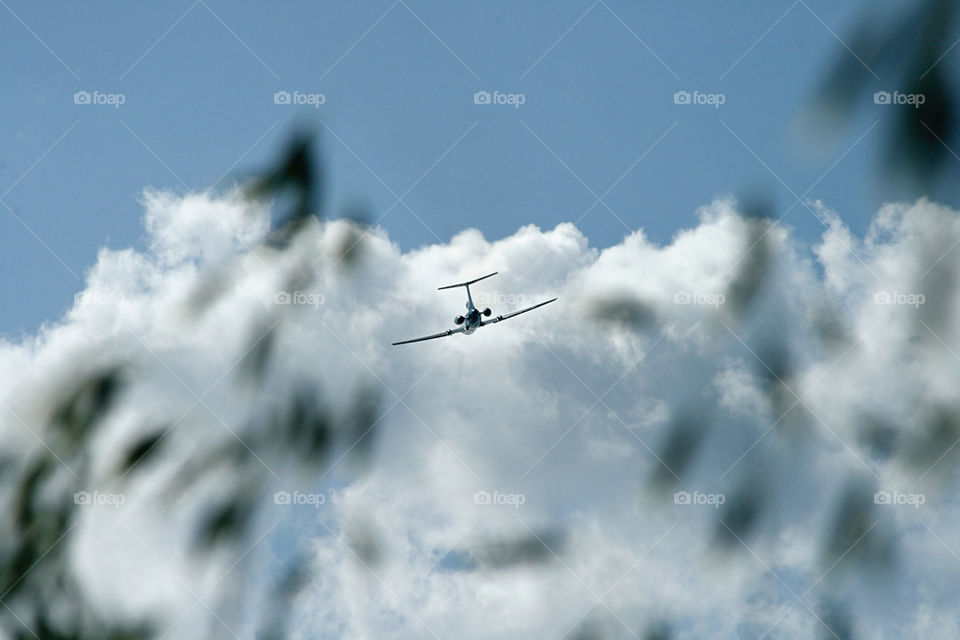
(909, 46)
(39, 591)
(684, 436)
(623, 311)
(530, 548)
(85, 405)
(37, 586)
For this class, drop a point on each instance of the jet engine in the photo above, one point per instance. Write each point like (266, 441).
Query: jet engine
(487, 312)
(458, 320)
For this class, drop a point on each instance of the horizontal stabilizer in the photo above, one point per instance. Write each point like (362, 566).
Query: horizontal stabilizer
(464, 284)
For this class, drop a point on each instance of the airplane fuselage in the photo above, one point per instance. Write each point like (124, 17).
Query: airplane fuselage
(471, 320)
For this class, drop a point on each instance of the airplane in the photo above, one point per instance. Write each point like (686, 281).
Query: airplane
(472, 320)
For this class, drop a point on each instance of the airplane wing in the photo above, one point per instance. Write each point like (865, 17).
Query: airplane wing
(442, 334)
(515, 313)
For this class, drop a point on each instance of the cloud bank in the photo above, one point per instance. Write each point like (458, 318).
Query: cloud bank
(730, 435)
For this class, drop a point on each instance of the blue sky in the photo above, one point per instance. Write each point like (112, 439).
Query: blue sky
(598, 139)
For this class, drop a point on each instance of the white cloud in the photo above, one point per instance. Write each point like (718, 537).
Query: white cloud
(566, 419)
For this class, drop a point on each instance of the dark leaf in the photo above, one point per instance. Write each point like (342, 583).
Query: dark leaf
(531, 548)
(741, 513)
(226, 522)
(253, 366)
(90, 400)
(622, 311)
(141, 450)
(684, 435)
(752, 268)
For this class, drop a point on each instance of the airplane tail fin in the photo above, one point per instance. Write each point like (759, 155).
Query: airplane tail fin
(465, 284)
